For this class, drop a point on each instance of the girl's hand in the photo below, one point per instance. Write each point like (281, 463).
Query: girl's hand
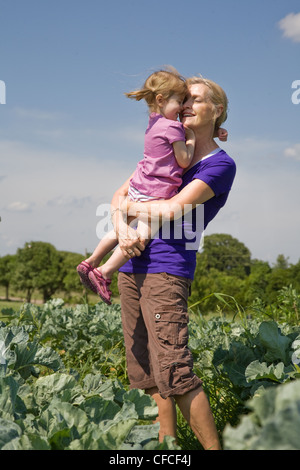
(190, 139)
(189, 134)
(222, 134)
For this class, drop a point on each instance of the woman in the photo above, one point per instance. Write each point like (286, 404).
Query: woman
(154, 284)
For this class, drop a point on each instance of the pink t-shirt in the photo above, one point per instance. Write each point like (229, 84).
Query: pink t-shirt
(159, 174)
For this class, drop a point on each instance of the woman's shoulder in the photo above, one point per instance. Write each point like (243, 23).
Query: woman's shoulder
(220, 159)
(214, 166)
(221, 155)
(216, 158)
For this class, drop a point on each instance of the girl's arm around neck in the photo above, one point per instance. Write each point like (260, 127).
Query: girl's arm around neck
(184, 151)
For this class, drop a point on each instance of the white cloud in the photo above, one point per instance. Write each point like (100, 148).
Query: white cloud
(290, 25)
(293, 152)
(19, 206)
(36, 114)
(69, 201)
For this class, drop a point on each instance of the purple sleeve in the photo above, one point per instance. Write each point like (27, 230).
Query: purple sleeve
(175, 132)
(218, 173)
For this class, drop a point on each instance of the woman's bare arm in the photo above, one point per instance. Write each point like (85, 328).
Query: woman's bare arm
(196, 192)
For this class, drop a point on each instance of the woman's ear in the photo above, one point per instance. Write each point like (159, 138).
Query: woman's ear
(219, 110)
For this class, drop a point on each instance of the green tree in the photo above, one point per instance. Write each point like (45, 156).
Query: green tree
(257, 282)
(6, 272)
(226, 254)
(282, 262)
(214, 281)
(71, 281)
(222, 267)
(295, 275)
(38, 266)
(280, 276)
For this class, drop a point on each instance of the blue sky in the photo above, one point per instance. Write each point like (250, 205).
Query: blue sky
(69, 137)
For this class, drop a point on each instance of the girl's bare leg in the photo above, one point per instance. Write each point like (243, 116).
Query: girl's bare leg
(117, 259)
(146, 230)
(108, 243)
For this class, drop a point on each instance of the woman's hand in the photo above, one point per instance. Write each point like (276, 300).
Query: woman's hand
(129, 241)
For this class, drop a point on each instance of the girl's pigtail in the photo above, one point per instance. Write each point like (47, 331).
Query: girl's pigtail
(138, 95)
(144, 94)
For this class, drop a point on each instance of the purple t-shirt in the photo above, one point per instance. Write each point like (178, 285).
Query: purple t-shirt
(173, 249)
(159, 174)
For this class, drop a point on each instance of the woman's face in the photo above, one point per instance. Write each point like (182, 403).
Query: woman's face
(198, 110)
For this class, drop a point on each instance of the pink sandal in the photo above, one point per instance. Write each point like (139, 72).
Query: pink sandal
(101, 285)
(83, 270)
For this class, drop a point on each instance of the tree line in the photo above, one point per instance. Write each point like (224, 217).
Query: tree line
(224, 266)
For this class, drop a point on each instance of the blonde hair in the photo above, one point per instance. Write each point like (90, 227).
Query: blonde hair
(216, 94)
(165, 82)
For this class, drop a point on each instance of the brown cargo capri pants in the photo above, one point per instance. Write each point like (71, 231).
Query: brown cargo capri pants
(155, 325)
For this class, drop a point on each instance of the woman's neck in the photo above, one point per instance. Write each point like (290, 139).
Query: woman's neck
(204, 141)
(203, 147)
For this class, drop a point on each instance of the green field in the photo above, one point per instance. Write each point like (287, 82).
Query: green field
(64, 383)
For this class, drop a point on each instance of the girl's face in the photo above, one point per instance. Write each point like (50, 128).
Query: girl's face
(171, 108)
(198, 110)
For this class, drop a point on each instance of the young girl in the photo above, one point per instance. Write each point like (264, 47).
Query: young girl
(168, 150)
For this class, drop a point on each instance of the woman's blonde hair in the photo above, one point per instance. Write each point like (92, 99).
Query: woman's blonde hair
(217, 96)
(165, 82)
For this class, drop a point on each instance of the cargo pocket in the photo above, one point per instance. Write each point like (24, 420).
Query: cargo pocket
(176, 373)
(171, 326)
